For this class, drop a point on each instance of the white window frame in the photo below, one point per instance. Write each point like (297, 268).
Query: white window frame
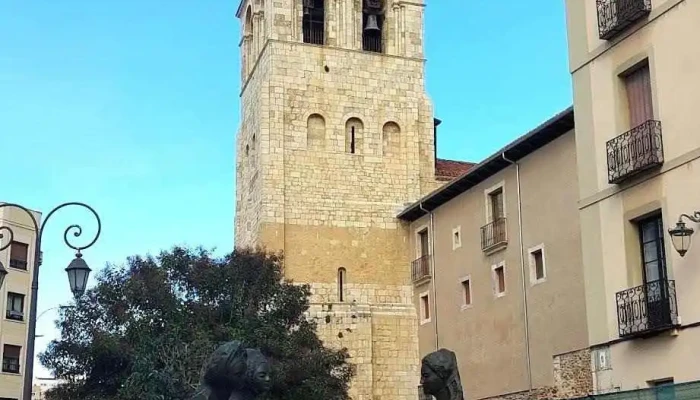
(421, 308)
(533, 268)
(466, 306)
(416, 240)
(494, 279)
(487, 199)
(458, 232)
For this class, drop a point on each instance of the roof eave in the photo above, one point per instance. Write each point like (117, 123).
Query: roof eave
(560, 124)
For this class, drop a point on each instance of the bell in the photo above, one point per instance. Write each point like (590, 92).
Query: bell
(372, 24)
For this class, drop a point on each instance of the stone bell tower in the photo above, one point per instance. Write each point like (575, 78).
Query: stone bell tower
(336, 138)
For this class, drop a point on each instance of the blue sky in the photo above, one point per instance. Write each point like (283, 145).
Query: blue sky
(132, 106)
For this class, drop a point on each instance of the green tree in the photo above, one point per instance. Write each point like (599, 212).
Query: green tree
(145, 329)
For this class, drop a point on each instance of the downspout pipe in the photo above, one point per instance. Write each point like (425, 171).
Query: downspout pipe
(522, 271)
(432, 271)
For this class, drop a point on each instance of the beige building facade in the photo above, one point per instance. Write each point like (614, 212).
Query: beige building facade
(498, 274)
(14, 297)
(636, 93)
(336, 138)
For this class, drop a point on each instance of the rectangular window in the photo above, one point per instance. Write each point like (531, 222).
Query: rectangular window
(538, 272)
(424, 308)
(499, 279)
(656, 290)
(651, 235)
(456, 238)
(10, 359)
(18, 255)
(15, 306)
(638, 88)
(496, 208)
(424, 243)
(467, 292)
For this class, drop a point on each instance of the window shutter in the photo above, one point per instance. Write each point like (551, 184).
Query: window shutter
(638, 85)
(18, 251)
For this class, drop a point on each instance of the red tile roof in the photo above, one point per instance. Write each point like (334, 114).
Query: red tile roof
(446, 170)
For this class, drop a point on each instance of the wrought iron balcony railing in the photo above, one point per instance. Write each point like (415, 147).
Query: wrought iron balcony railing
(10, 365)
(493, 234)
(635, 151)
(649, 308)
(614, 16)
(420, 268)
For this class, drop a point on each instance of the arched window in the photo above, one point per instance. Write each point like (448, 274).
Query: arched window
(247, 150)
(353, 136)
(315, 131)
(252, 143)
(342, 275)
(372, 26)
(391, 139)
(247, 39)
(313, 22)
(248, 27)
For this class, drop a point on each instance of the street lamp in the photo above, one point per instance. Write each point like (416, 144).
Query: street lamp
(681, 235)
(78, 272)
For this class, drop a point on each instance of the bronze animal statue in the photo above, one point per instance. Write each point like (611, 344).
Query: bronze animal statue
(234, 372)
(440, 376)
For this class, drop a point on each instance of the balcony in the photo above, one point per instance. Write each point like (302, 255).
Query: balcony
(635, 151)
(420, 269)
(494, 236)
(647, 309)
(10, 365)
(614, 16)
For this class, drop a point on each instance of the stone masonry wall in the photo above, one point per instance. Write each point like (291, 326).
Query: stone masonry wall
(573, 375)
(382, 344)
(334, 187)
(250, 157)
(572, 379)
(325, 207)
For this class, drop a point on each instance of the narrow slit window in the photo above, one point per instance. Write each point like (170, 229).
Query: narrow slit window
(341, 284)
(352, 140)
(353, 136)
